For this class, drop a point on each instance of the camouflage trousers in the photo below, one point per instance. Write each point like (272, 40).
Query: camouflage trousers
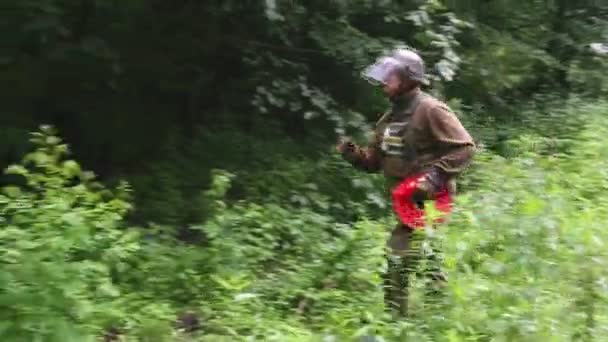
(409, 253)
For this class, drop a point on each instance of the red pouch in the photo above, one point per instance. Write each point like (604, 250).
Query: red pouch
(408, 212)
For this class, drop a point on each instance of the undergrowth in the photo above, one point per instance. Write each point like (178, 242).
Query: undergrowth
(524, 251)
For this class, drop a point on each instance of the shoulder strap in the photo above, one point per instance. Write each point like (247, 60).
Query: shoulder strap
(384, 117)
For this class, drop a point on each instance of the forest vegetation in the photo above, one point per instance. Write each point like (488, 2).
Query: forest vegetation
(170, 171)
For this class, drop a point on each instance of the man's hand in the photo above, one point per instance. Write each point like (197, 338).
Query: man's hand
(344, 145)
(428, 186)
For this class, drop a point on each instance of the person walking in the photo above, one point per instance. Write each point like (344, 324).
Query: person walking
(421, 147)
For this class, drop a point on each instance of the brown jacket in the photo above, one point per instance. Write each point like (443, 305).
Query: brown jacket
(419, 132)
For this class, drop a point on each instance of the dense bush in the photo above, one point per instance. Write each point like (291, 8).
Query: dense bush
(524, 253)
(72, 269)
(62, 241)
(121, 80)
(237, 221)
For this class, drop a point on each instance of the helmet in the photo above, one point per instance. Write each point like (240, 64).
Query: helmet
(401, 60)
(412, 62)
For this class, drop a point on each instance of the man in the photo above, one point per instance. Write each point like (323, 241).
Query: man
(418, 137)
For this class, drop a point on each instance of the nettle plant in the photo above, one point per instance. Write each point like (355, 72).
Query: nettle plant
(61, 244)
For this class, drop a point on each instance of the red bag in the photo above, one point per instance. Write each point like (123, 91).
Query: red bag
(408, 212)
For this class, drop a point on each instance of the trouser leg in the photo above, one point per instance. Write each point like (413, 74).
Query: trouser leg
(401, 262)
(432, 272)
(395, 293)
(409, 253)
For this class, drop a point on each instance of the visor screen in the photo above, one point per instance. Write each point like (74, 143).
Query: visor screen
(379, 72)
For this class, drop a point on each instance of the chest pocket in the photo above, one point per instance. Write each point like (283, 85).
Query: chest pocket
(397, 141)
(393, 142)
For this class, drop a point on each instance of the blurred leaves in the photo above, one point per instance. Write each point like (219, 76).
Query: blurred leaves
(248, 220)
(524, 252)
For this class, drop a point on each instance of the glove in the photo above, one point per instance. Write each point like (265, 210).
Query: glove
(428, 186)
(345, 146)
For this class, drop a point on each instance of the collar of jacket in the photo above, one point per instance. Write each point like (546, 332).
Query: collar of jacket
(405, 103)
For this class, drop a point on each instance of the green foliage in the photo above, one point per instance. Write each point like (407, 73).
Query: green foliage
(220, 115)
(72, 270)
(524, 253)
(291, 64)
(61, 243)
(280, 170)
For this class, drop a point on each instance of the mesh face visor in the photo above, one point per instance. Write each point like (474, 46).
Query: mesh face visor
(379, 72)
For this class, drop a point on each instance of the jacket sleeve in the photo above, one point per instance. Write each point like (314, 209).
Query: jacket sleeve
(454, 145)
(365, 159)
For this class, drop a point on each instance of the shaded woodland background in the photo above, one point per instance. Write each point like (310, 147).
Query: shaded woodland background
(219, 205)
